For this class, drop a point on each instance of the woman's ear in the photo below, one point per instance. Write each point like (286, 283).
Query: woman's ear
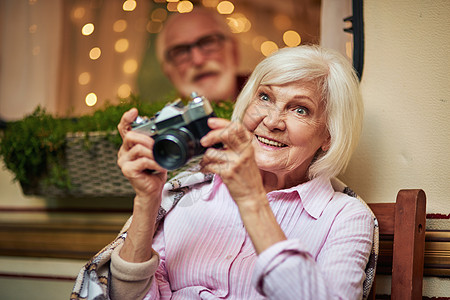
(327, 143)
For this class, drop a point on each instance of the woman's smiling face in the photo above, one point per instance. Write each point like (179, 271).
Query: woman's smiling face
(289, 127)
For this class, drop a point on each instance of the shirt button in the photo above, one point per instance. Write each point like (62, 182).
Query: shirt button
(229, 257)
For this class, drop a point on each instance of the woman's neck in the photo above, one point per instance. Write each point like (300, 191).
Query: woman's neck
(273, 182)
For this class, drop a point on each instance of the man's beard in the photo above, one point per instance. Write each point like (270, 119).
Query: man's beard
(220, 86)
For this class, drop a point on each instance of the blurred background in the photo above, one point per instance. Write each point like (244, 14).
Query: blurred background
(78, 54)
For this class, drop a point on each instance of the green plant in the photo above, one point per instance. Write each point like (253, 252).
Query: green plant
(33, 148)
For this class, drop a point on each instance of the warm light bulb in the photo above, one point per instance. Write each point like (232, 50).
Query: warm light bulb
(84, 78)
(120, 25)
(159, 14)
(95, 53)
(238, 23)
(154, 26)
(225, 7)
(129, 5)
(257, 41)
(185, 6)
(130, 66)
(121, 45)
(291, 38)
(172, 6)
(124, 91)
(87, 29)
(78, 12)
(91, 99)
(268, 47)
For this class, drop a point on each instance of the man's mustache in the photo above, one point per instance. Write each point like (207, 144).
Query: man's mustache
(209, 67)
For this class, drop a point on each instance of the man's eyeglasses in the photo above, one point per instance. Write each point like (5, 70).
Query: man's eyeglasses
(183, 53)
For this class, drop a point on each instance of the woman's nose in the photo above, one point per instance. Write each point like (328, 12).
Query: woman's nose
(275, 119)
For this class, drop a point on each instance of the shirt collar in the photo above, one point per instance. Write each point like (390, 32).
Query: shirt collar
(314, 194)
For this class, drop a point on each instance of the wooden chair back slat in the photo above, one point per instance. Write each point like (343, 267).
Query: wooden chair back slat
(403, 220)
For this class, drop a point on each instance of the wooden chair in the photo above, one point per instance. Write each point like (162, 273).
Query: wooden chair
(402, 243)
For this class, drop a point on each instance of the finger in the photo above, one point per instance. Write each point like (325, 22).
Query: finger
(215, 155)
(210, 168)
(132, 138)
(216, 123)
(215, 159)
(140, 166)
(134, 153)
(126, 121)
(233, 136)
(213, 124)
(218, 129)
(133, 147)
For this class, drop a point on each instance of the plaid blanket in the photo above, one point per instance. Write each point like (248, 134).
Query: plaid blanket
(92, 282)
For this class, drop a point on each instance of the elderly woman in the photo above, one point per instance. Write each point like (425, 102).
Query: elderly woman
(268, 224)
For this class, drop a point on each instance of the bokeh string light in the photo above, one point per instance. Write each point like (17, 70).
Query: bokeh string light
(268, 47)
(129, 5)
(225, 7)
(95, 53)
(84, 78)
(239, 21)
(91, 99)
(121, 45)
(87, 29)
(185, 6)
(120, 25)
(291, 38)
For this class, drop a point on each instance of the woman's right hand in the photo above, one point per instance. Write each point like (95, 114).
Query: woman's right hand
(135, 158)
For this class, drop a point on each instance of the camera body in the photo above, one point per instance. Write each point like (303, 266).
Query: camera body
(177, 130)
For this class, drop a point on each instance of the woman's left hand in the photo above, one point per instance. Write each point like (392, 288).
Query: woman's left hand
(235, 162)
(237, 167)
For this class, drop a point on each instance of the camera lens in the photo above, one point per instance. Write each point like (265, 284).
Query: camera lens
(173, 149)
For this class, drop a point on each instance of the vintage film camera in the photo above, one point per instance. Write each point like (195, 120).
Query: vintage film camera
(177, 130)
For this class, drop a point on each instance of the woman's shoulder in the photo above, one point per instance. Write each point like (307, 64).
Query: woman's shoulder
(346, 197)
(349, 211)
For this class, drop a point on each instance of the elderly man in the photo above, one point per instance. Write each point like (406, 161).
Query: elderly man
(198, 53)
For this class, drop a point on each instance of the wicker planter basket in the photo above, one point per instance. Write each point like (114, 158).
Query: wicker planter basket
(93, 170)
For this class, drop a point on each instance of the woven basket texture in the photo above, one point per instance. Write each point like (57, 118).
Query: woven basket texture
(92, 168)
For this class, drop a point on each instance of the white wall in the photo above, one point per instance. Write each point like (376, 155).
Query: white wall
(406, 90)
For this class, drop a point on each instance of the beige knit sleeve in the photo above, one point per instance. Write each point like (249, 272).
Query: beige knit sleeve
(131, 280)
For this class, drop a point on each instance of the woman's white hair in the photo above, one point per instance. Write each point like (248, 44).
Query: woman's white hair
(337, 82)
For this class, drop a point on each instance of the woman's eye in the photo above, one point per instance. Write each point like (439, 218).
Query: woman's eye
(302, 110)
(264, 97)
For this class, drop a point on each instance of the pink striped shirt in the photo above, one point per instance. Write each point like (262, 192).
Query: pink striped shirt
(206, 253)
